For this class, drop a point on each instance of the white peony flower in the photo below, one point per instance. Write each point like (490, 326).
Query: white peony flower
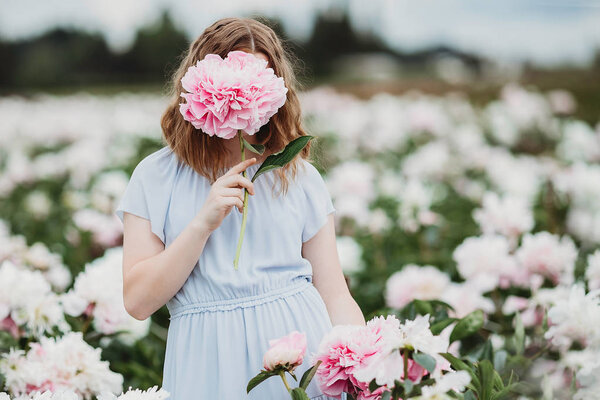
(548, 255)
(485, 261)
(99, 290)
(153, 393)
(592, 273)
(465, 298)
(106, 228)
(65, 363)
(415, 282)
(455, 380)
(579, 143)
(575, 318)
(27, 298)
(509, 216)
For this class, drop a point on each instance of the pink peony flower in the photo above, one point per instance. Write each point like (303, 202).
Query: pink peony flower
(231, 94)
(347, 348)
(287, 352)
(341, 350)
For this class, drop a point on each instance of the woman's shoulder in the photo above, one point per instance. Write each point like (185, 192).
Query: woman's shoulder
(160, 163)
(161, 156)
(311, 180)
(308, 171)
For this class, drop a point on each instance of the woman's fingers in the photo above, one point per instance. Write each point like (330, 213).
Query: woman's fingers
(238, 180)
(233, 201)
(232, 192)
(236, 169)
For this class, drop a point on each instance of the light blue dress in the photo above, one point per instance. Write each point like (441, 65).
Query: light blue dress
(221, 320)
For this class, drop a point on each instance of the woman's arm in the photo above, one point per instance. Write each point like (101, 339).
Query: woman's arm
(151, 273)
(328, 278)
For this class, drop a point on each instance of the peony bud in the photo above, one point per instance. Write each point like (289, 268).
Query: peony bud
(287, 352)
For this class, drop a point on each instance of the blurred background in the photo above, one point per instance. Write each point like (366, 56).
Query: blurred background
(362, 48)
(437, 122)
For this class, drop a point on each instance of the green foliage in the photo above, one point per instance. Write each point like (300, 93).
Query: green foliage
(467, 326)
(299, 394)
(255, 148)
(261, 377)
(284, 156)
(486, 383)
(308, 375)
(425, 361)
(436, 309)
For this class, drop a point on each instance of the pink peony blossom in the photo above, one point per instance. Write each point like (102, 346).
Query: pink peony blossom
(349, 348)
(287, 352)
(231, 94)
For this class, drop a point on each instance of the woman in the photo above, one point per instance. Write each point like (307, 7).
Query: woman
(180, 240)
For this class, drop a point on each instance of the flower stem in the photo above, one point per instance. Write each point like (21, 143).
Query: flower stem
(405, 357)
(282, 374)
(245, 212)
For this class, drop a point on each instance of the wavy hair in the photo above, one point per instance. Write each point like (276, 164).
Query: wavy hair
(207, 155)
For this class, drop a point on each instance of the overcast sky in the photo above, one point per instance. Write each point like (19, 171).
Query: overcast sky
(544, 31)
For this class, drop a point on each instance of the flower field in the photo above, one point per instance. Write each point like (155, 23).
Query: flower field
(469, 234)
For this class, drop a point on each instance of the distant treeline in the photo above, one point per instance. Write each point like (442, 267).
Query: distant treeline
(66, 57)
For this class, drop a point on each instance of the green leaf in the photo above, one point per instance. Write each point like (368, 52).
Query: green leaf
(409, 311)
(498, 384)
(373, 385)
(506, 390)
(439, 303)
(486, 372)
(467, 326)
(469, 395)
(299, 394)
(386, 395)
(439, 326)
(487, 351)
(423, 307)
(425, 361)
(255, 148)
(500, 358)
(286, 155)
(460, 365)
(308, 375)
(408, 386)
(259, 378)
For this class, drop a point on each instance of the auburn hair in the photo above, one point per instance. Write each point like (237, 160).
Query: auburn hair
(207, 155)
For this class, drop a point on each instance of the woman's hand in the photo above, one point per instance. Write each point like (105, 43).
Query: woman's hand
(227, 191)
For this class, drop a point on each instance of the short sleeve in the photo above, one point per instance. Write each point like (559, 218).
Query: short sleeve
(146, 194)
(318, 203)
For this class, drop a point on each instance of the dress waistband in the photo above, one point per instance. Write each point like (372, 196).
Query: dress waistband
(241, 302)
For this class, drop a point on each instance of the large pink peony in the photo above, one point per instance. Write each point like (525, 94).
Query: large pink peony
(231, 94)
(347, 348)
